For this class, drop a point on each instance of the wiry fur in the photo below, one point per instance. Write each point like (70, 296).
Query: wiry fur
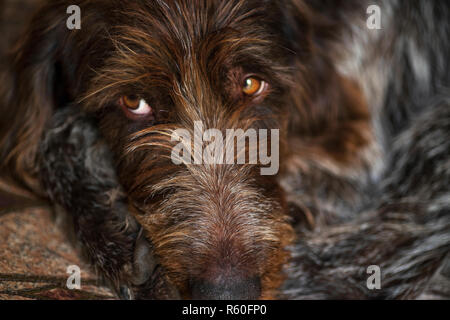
(364, 149)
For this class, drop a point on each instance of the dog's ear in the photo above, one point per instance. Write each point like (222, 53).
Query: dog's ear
(45, 73)
(296, 24)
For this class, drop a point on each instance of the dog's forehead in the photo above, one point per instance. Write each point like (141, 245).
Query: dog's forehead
(162, 43)
(191, 21)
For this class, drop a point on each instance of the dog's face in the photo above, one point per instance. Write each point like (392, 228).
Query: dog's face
(220, 230)
(146, 69)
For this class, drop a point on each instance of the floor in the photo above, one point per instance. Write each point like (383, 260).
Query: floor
(35, 256)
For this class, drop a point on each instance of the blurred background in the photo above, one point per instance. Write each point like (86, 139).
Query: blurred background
(13, 16)
(34, 252)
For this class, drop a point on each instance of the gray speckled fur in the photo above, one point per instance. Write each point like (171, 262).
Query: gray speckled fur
(402, 220)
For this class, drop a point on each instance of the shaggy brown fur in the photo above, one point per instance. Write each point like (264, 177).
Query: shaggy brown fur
(209, 225)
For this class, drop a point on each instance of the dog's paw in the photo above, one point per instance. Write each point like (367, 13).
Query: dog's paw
(146, 280)
(144, 262)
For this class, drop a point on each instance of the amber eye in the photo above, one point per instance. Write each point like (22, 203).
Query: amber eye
(135, 105)
(253, 86)
(131, 102)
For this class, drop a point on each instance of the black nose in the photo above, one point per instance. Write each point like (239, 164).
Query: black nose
(228, 288)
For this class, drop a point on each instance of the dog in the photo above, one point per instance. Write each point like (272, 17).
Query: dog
(363, 120)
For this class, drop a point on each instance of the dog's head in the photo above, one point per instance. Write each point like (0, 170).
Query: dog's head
(154, 74)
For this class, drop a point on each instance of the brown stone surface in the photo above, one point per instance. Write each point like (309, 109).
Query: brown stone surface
(34, 256)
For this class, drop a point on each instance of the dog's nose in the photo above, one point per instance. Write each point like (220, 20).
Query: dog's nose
(228, 288)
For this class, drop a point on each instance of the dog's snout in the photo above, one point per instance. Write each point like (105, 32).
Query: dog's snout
(228, 288)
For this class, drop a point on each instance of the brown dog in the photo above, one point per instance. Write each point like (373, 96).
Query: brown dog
(143, 69)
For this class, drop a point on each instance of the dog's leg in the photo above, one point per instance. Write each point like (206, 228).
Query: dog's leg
(77, 173)
(407, 235)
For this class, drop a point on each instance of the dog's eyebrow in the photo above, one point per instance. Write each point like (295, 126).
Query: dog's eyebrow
(108, 86)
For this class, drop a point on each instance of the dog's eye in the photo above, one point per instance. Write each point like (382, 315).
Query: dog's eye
(253, 86)
(131, 102)
(135, 105)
